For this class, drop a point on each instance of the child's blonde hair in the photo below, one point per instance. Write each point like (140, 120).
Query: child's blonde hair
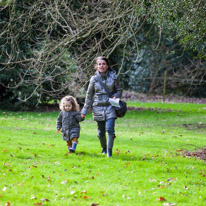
(72, 100)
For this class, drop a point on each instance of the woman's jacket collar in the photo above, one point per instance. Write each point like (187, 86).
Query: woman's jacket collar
(110, 73)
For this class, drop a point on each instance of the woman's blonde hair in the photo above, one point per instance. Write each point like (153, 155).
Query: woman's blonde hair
(72, 100)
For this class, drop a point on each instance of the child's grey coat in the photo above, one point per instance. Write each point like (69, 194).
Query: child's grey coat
(69, 123)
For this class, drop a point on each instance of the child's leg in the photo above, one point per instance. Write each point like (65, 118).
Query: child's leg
(69, 144)
(74, 143)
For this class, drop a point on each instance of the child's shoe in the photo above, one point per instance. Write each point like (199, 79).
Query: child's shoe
(71, 150)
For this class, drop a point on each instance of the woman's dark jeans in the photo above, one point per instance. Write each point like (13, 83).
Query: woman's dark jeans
(104, 126)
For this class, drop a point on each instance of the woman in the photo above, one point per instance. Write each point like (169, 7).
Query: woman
(97, 97)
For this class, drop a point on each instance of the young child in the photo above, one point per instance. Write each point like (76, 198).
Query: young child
(68, 121)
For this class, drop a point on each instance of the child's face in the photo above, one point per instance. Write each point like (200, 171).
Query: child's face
(68, 106)
(101, 66)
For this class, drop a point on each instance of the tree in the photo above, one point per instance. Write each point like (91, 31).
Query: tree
(144, 66)
(186, 19)
(48, 47)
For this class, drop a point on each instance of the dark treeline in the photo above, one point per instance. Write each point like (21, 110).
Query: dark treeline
(48, 47)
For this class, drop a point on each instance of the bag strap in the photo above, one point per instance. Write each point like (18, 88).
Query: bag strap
(102, 84)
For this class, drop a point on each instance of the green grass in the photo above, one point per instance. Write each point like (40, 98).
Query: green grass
(147, 163)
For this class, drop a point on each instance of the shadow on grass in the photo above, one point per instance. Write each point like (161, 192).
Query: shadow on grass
(123, 157)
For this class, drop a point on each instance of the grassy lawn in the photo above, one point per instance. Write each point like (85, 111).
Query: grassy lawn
(147, 167)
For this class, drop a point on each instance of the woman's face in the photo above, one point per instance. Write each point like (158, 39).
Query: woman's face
(101, 66)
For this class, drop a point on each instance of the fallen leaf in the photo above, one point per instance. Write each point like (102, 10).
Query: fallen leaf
(168, 203)
(94, 204)
(171, 179)
(20, 184)
(186, 187)
(128, 163)
(84, 191)
(8, 204)
(153, 189)
(38, 203)
(6, 164)
(64, 182)
(44, 200)
(117, 152)
(203, 171)
(86, 197)
(33, 197)
(181, 194)
(72, 192)
(152, 180)
(161, 199)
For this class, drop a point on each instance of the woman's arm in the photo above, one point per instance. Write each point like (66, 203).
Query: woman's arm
(118, 89)
(89, 97)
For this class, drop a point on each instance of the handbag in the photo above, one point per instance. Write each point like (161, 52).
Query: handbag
(120, 111)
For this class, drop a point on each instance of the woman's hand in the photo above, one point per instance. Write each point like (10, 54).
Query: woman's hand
(83, 116)
(113, 97)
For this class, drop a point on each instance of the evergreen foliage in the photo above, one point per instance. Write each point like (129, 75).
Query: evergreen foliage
(48, 47)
